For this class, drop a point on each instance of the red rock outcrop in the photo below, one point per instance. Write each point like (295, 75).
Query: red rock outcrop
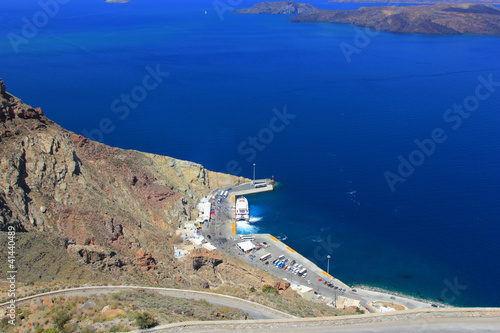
(145, 261)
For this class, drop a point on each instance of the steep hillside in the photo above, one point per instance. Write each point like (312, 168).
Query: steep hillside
(101, 210)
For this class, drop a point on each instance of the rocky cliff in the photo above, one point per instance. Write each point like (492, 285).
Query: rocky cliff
(111, 210)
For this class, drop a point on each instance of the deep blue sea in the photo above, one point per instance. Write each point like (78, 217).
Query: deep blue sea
(345, 125)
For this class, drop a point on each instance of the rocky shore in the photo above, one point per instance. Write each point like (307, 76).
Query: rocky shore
(393, 293)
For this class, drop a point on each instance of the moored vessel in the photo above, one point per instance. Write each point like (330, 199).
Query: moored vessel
(242, 212)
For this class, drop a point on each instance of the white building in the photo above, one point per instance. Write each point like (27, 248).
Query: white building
(344, 302)
(204, 207)
(246, 246)
(305, 292)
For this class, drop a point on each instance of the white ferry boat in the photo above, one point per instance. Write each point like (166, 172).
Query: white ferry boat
(242, 209)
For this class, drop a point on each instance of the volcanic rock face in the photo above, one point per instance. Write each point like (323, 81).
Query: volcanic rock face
(202, 257)
(113, 209)
(12, 108)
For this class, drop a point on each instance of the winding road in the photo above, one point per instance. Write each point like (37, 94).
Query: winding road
(255, 310)
(456, 320)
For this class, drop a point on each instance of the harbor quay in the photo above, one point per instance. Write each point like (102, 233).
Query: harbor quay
(222, 232)
(257, 186)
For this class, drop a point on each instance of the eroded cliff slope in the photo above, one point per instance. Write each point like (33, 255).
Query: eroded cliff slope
(100, 209)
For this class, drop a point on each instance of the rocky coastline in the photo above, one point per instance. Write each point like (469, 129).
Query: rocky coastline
(398, 294)
(438, 19)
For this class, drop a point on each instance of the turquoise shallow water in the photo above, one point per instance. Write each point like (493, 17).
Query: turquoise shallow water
(351, 122)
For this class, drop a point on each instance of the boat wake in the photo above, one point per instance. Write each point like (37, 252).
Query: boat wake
(245, 227)
(254, 219)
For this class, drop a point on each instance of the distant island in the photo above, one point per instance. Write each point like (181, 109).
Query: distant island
(278, 7)
(423, 2)
(439, 19)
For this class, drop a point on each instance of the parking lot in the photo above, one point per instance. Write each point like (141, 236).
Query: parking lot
(317, 279)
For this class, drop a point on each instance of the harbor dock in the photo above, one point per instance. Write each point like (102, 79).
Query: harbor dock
(257, 186)
(222, 231)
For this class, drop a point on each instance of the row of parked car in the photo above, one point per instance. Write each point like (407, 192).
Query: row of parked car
(330, 284)
(282, 263)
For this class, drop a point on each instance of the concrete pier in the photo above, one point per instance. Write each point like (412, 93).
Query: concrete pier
(278, 248)
(249, 188)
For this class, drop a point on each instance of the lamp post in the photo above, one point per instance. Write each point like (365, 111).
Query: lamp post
(328, 265)
(254, 172)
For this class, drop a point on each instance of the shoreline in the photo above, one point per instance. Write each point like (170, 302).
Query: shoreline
(402, 295)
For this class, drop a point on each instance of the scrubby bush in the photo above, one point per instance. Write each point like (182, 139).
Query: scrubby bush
(61, 318)
(4, 323)
(50, 330)
(267, 289)
(145, 320)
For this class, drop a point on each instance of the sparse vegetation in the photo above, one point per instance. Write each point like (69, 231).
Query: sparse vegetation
(4, 323)
(119, 328)
(61, 318)
(145, 320)
(290, 303)
(267, 289)
(118, 312)
(50, 330)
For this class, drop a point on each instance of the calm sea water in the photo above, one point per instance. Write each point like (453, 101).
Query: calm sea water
(351, 121)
